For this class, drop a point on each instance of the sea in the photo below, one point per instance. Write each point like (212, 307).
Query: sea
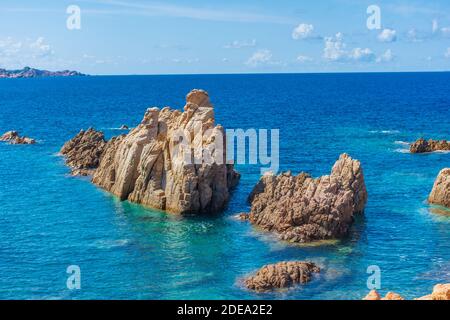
(51, 223)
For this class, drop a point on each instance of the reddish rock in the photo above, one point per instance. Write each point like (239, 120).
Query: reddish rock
(82, 153)
(440, 194)
(13, 137)
(423, 146)
(281, 275)
(302, 209)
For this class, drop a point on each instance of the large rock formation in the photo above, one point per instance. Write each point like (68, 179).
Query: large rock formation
(441, 191)
(13, 137)
(163, 163)
(423, 146)
(83, 152)
(302, 209)
(281, 275)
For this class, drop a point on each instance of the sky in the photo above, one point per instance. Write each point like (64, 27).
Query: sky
(234, 36)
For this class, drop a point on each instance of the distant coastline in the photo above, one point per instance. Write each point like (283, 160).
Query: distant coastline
(28, 72)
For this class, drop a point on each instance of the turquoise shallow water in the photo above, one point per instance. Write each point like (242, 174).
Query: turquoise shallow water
(49, 220)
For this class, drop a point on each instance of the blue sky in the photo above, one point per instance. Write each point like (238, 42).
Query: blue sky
(198, 36)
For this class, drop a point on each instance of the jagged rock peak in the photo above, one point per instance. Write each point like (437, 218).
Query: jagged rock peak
(82, 153)
(161, 163)
(423, 146)
(302, 209)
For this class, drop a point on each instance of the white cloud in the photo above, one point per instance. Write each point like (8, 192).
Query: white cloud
(413, 36)
(447, 53)
(303, 59)
(446, 32)
(388, 35)
(335, 48)
(387, 56)
(40, 48)
(162, 9)
(236, 44)
(260, 57)
(364, 55)
(17, 54)
(303, 31)
(186, 61)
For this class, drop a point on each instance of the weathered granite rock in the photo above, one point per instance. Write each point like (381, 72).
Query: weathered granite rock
(423, 146)
(440, 292)
(374, 295)
(302, 209)
(281, 275)
(441, 190)
(13, 137)
(243, 216)
(147, 165)
(82, 153)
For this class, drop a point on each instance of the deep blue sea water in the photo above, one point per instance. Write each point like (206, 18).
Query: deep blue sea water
(49, 220)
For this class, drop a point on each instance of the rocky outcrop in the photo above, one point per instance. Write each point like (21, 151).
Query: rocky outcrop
(440, 194)
(28, 72)
(440, 292)
(163, 163)
(281, 275)
(374, 295)
(82, 153)
(13, 137)
(302, 209)
(423, 146)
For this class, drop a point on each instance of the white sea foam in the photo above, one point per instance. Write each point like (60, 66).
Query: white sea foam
(109, 244)
(403, 143)
(402, 150)
(385, 131)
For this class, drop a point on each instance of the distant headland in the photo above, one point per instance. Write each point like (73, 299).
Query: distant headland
(28, 72)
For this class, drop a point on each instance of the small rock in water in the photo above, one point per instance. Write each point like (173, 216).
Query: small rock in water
(281, 275)
(423, 146)
(243, 216)
(13, 137)
(124, 127)
(440, 292)
(374, 295)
